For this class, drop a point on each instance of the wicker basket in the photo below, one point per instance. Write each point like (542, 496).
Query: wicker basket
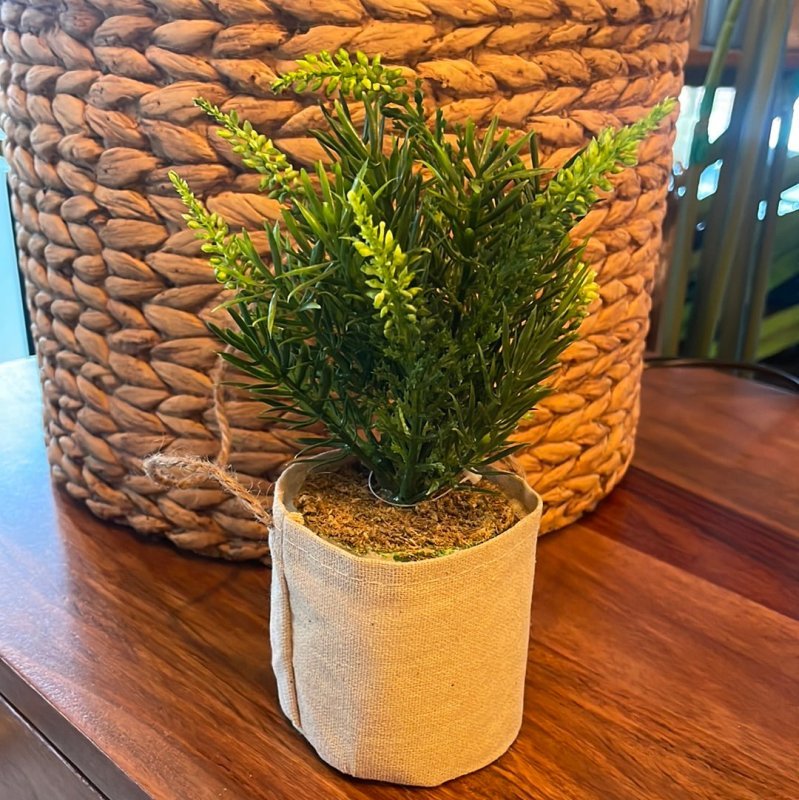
(96, 100)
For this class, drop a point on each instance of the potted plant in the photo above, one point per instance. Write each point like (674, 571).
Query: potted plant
(418, 292)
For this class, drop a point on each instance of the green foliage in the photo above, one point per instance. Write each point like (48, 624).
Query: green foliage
(571, 190)
(256, 150)
(339, 73)
(386, 265)
(421, 285)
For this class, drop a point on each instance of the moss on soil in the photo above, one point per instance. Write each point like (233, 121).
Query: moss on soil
(338, 505)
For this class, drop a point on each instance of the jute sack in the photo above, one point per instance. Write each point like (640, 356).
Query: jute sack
(410, 672)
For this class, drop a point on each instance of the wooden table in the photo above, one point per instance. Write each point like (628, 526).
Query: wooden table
(663, 663)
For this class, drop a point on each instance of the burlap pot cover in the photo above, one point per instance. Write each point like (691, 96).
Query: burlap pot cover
(96, 104)
(406, 672)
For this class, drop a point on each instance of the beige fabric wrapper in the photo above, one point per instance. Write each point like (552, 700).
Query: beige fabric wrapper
(410, 672)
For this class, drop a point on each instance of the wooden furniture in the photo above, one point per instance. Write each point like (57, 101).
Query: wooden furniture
(663, 662)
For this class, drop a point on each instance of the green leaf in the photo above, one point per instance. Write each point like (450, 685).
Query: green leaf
(270, 317)
(420, 286)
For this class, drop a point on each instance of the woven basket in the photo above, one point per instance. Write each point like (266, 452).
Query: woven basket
(96, 101)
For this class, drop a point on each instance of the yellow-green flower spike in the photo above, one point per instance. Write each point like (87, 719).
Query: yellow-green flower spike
(340, 73)
(387, 267)
(257, 152)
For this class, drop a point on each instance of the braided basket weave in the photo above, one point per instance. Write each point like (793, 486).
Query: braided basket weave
(97, 107)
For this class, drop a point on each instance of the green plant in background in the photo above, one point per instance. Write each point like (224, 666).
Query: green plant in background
(421, 286)
(733, 290)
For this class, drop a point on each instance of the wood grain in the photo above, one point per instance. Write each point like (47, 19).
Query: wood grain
(735, 441)
(708, 541)
(663, 661)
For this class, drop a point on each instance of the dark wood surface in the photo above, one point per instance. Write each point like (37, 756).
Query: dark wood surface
(665, 641)
(30, 769)
(735, 442)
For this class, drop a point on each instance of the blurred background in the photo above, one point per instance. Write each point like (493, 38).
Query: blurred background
(728, 283)
(729, 279)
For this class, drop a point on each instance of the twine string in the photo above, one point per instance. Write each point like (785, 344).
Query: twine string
(190, 472)
(220, 415)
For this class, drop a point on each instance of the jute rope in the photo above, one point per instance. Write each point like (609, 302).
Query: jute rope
(190, 472)
(218, 400)
(96, 102)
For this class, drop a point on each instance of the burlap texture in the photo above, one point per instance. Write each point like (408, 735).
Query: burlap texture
(405, 672)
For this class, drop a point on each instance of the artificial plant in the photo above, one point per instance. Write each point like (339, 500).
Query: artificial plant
(421, 284)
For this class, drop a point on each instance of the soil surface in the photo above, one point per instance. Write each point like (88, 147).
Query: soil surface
(339, 506)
